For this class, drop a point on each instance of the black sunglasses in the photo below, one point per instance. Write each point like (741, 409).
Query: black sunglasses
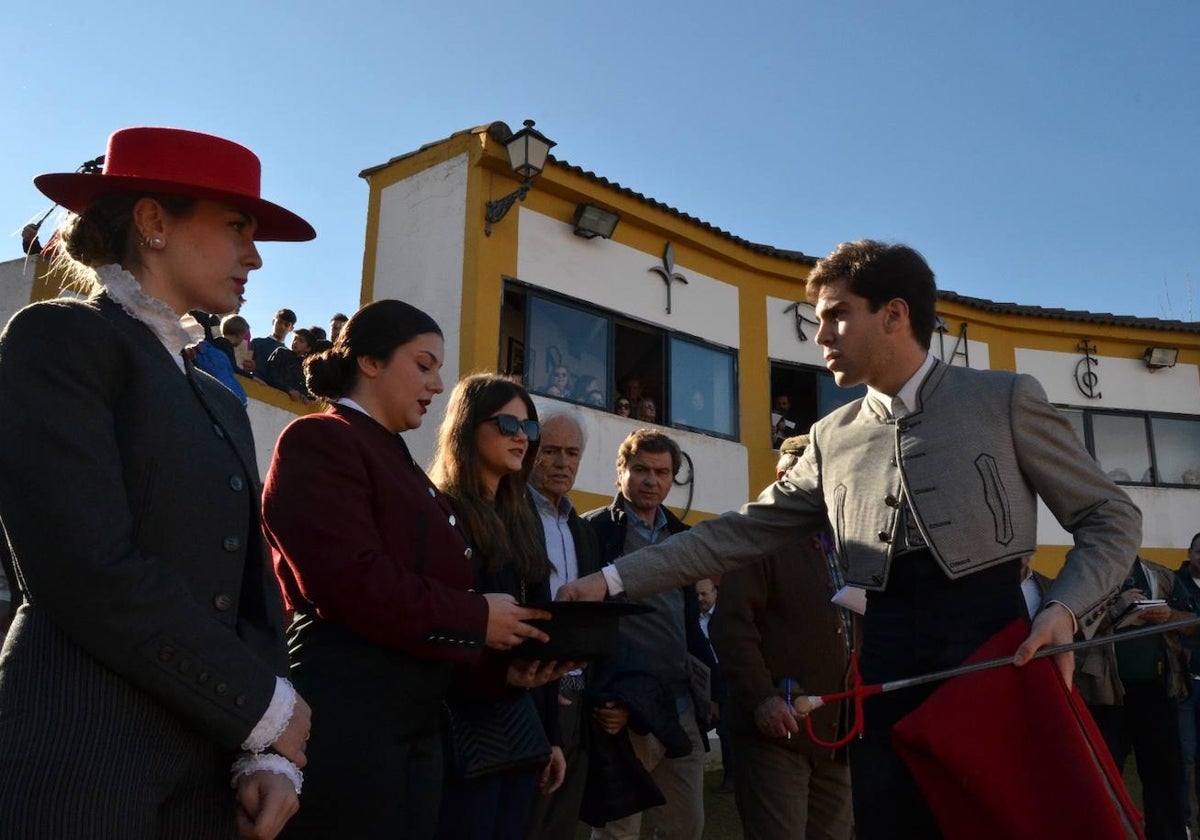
(510, 425)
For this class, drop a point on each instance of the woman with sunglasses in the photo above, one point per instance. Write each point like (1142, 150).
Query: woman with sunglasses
(148, 652)
(486, 449)
(376, 566)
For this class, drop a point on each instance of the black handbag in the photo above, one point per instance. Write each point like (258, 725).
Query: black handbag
(487, 738)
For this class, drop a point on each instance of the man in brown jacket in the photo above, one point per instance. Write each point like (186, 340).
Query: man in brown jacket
(776, 630)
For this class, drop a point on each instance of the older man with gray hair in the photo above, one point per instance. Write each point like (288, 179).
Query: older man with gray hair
(573, 551)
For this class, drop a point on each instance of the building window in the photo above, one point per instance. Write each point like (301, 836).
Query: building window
(573, 351)
(1120, 446)
(1139, 447)
(800, 396)
(566, 352)
(702, 380)
(1176, 449)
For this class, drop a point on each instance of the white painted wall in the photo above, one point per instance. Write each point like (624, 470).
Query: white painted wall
(944, 348)
(784, 345)
(1123, 383)
(16, 284)
(721, 465)
(617, 277)
(267, 421)
(419, 259)
(1170, 516)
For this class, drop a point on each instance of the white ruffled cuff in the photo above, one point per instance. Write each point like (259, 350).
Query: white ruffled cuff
(270, 762)
(274, 720)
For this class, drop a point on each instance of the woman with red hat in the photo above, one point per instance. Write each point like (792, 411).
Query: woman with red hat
(146, 668)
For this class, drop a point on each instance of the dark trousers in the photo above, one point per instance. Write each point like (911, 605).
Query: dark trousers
(556, 817)
(391, 790)
(923, 622)
(728, 771)
(1147, 724)
(496, 807)
(1189, 726)
(783, 794)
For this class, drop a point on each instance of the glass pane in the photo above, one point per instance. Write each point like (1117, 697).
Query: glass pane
(702, 387)
(830, 396)
(568, 353)
(1177, 450)
(1074, 416)
(1121, 447)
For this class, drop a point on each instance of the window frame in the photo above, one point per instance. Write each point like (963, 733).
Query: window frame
(818, 372)
(736, 408)
(1147, 418)
(628, 321)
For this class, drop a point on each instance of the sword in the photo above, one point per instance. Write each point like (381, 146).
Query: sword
(805, 705)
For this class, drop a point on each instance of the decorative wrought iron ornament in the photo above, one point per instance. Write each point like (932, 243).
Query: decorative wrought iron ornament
(798, 310)
(1086, 379)
(961, 348)
(667, 272)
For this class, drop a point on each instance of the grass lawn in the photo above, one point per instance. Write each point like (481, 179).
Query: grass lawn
(721, 820)
(720, 816)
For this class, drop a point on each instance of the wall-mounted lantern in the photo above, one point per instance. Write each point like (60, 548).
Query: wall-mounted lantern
(527, 151)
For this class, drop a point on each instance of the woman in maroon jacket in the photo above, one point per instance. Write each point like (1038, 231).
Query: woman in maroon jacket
(372, 559)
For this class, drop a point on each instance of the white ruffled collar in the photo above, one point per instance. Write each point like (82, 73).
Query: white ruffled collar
(124, 289)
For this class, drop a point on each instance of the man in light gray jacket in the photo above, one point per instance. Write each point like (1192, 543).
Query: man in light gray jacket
(930, 483)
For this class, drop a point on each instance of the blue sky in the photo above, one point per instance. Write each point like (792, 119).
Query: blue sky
(1038, 152)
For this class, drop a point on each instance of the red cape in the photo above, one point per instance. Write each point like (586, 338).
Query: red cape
(1013, 754)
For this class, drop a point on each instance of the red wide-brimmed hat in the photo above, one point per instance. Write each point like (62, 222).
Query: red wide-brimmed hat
(178, 162)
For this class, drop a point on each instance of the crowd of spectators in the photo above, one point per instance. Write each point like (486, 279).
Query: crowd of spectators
(268, 359)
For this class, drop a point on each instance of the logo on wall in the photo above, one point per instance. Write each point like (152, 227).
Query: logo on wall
(801, 311)
(667, 272)
(1086, 379)
(961, 348)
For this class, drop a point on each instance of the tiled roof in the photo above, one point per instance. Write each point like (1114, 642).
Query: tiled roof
(766, 250)
(1104, 318)
(500, 131)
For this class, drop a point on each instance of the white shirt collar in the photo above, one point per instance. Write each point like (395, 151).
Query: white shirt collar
(349, 403)
(124, 290)
(564, 505)
(906, 399)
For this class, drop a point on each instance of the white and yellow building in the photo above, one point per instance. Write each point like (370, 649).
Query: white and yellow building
(533, 297)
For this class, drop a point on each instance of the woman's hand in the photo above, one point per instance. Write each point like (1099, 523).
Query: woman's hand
(553, 773)
(293, 740)
(612, 717)
(506, 627)
(524, 674)
(265, 802)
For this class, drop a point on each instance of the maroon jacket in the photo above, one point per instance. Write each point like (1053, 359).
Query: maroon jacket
(361, 538)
